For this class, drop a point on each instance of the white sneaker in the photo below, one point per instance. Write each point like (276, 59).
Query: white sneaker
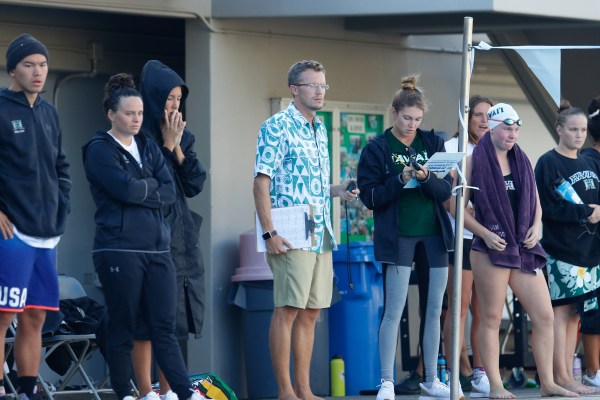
(480, 386)
(170, 395)
(386, 391)
(128, 398)
(434, 390)
(150, 396)
(592, 381)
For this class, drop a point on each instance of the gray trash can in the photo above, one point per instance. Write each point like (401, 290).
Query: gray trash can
(252, 291)
(255, 298)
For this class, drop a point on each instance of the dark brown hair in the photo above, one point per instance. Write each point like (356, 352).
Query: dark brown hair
(118, 86)
(473, 102)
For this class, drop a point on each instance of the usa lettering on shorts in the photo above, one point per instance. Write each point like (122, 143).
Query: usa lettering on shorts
(13, 297)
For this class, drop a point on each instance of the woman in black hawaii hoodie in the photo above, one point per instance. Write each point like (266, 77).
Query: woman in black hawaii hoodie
(130, 183)
(164, 94)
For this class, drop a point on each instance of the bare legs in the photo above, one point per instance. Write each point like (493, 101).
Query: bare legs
(466, 299)
(491, 283)
(6, 319)
(591, 345)
(531, 289)
(293, 328)
(475, 327)
(28, 341)
(565, 339)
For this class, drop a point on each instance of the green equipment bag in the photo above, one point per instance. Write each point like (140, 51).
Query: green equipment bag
(212, 387)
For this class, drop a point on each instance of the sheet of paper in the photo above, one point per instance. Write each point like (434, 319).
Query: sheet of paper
(440, 163)
(289, 222)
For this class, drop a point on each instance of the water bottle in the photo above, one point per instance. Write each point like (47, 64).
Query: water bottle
(566, 191)
(577, 368)
(441, 367)
(338, 380)
(517, 378)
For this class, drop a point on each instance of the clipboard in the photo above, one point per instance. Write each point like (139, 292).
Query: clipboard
(440, 163)
(296, 224)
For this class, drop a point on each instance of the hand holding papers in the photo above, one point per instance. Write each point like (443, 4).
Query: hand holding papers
(295, 224)
(440, 163)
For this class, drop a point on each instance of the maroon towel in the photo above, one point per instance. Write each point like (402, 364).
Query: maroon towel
(493, 210)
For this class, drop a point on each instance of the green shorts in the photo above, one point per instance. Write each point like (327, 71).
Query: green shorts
(303, 279)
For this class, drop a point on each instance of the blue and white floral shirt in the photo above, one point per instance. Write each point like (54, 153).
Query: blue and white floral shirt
(296, 159)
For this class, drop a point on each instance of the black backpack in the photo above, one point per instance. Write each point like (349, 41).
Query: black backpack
(81, 316)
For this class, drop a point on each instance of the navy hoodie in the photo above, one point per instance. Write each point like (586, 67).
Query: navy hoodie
(380, 191)
(128, 197)
(156, 82)
(34, 177)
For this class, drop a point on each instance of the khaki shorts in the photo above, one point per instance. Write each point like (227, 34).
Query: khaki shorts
(303, 279)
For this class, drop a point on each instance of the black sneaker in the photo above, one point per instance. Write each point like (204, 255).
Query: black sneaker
(465, 382)
(410, 385)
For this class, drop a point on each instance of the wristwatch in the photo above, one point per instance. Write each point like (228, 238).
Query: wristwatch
(269, 234)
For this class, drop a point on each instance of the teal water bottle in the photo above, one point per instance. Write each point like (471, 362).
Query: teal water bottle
(441, 367)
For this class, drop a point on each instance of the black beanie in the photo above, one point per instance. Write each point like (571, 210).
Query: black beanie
(23, 46)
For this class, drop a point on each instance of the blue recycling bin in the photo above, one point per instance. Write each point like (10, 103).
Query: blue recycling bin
(354, 320)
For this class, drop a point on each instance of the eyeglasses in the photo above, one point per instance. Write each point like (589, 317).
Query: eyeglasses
(508, 121)
(313, 86)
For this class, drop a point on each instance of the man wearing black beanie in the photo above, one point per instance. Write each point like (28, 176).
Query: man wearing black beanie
(34, 203)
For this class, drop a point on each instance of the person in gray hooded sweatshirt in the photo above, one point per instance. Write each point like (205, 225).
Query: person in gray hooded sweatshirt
(164, 93)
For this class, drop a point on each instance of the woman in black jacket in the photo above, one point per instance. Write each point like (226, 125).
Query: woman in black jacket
(164, 94)
(570, 239)
(130, 184)
(409, 215)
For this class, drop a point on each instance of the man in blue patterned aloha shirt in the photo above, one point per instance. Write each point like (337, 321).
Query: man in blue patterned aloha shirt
(292, 168)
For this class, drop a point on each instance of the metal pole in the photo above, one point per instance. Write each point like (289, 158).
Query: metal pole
(460, 207)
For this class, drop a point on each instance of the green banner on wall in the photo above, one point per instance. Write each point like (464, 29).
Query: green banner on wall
(356, 129)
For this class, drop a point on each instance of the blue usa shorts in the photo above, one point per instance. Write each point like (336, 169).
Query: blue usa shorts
(28, 277)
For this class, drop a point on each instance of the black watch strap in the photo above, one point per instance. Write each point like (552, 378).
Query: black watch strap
(269, 234)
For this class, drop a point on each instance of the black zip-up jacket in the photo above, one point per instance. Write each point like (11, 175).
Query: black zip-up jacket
(593, 155)
(34, 177)
(128, 198)
(157, 81)
(566, 233)
(380, 189)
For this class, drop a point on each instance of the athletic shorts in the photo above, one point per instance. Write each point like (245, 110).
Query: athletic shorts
(302, 278)
(435, 250)
(28, 277)
(590, 322)
(466, 254)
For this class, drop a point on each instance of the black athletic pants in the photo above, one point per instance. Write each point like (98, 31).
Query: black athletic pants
(131, 280)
